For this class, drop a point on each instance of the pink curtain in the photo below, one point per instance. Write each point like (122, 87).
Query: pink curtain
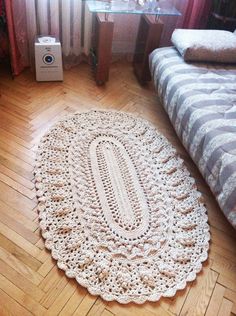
(28, 18)
(197, 14)
(17, 65)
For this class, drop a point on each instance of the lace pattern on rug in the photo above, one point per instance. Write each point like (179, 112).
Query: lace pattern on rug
(118, 209)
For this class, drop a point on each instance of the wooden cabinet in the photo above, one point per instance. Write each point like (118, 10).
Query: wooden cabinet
(148, 39)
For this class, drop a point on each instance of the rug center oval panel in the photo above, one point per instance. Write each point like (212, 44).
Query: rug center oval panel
(118, 208)
(120, 194)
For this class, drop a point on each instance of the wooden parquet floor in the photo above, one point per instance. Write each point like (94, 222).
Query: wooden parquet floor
(30, 282)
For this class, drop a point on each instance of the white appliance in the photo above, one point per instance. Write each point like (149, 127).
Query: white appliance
(48, 59)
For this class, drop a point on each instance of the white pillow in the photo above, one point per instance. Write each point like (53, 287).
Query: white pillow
(205, 45)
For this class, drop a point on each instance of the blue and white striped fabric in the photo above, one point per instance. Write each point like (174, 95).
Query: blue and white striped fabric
(200, 100)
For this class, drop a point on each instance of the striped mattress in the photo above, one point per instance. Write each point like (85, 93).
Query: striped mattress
(200, 100)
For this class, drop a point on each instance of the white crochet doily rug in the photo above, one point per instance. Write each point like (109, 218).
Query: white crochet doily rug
(118, 208)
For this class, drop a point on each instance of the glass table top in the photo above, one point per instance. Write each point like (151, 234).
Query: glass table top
(151, 7)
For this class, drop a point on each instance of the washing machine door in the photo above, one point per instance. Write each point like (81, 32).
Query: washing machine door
(48, 59)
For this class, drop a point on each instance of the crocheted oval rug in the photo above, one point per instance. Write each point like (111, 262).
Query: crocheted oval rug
(118, 208)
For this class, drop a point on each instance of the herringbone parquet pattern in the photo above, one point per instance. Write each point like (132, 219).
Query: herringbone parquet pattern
(30, 283)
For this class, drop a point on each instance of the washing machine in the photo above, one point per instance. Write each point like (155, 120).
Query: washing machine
(48, 59)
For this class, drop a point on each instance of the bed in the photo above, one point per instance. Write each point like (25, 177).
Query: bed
(200, 100)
